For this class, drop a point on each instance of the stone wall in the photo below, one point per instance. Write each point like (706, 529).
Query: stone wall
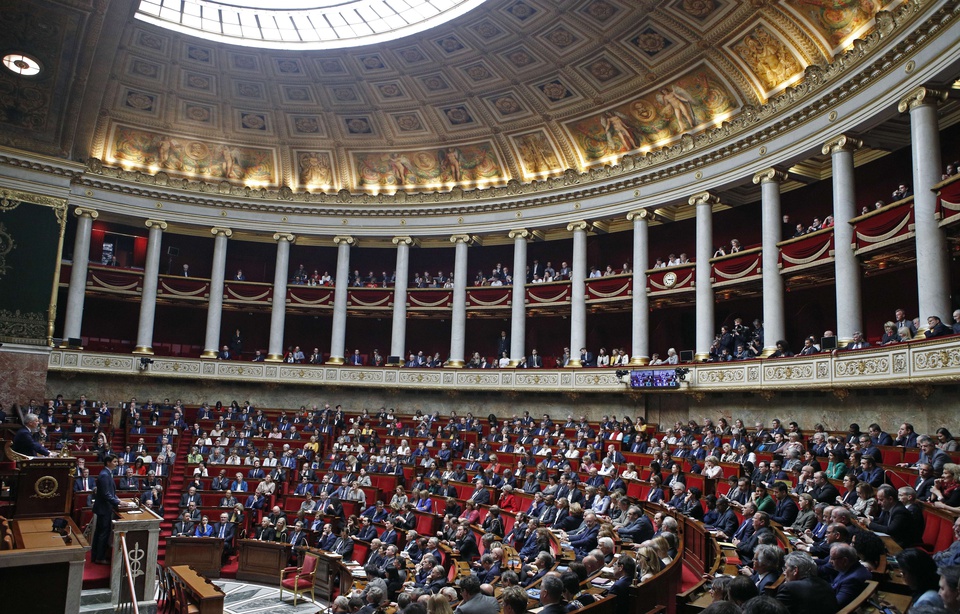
(24, 373)
(926, 407)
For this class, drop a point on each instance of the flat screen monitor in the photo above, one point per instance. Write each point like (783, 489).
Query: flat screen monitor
(686, 355)
(828, 343)
(654, 378)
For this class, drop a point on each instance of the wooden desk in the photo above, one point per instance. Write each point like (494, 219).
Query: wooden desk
(261, 561)
(204, 554)
(207, 595)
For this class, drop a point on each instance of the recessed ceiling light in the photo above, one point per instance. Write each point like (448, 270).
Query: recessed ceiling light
(22, 65)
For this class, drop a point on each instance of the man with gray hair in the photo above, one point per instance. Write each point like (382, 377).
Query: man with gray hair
(766, 566)
(803, 590)
(25, 442)
(474, 602)
(851, 576)
(551, 595)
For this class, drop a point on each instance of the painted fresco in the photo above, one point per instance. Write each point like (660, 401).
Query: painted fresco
(537, 155)
(460, 164)
(185, 156)
(690, 102)
(767, 57)
(837, 20)
(315, 168)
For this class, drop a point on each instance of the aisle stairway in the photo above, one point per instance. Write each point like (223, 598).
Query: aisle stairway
(171, 498)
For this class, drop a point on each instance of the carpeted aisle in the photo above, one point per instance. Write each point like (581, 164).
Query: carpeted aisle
(95, 576)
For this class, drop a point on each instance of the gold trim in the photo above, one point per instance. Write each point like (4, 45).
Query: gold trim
(454, 364)
(770, 175)
(273, 358)
(639, 361)
(574, 363)
(209, 354)
(335, 360)
(142, 349)
(841, 143)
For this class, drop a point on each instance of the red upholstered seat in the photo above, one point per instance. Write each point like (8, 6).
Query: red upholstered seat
(293, 582)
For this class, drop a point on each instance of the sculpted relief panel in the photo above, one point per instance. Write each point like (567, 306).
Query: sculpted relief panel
(768, 59)
(470, 164)
(838, 22)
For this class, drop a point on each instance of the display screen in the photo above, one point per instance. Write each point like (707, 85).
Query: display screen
(654, 378)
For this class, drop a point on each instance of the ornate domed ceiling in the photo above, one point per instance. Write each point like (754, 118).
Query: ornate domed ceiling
(512, 90)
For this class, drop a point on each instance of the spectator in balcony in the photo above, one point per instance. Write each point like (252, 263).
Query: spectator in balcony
(782, 351)
(858, 342)
(659, 264)
(936, 328)
(828, 222)
(890, 335)
(603, 359)
(672, 358)
(719, 252)
(186, 270)
(809, 347)
(902, 321)
(735, 246)
(902, 191)
(800, 231)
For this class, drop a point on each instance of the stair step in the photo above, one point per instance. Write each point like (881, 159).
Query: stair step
(95, 596)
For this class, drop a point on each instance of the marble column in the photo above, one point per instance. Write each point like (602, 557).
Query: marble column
(78, 274)
(278, 305)
(458, 321)
(398, 335)
(933, 256)
(578, 292)
(845, 262)
(211, 341)
(704, 202)
(774, 321)
(338, 337)
(148, 297)
(640, 332)
(518, 305)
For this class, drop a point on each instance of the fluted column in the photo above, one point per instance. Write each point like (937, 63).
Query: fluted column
(338, 337)
(933, 257)
(774, 322)
(846, 265)
(458, 321)
(640, 333)
(278, 305)
(78, 274)
(398, 335)
(578, 291)
(211, 340)
(704, 202)
(148, 297)
(518, 306)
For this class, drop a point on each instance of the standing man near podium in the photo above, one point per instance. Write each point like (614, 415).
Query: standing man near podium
(105, 504)
(25, 442)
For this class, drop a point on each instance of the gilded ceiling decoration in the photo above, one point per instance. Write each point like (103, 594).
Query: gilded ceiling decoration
(512, 91)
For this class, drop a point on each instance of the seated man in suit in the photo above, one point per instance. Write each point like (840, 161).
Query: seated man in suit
(849, 576)
(766, 566)
(226, 531)
(746, 547)
(24, 441)
(474, 602)
(895, 520)
(625, 571)
(803, 590)
(183, 527)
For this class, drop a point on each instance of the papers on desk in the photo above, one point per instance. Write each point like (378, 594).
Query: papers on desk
(608, 571)
(601, 582)
(726, 545)
(132, 511)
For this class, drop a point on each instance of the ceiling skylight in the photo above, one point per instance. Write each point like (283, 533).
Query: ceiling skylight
(302, 24)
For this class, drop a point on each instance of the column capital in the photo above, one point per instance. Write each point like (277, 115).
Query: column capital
(921, 96)
(578, 225)
(218, 231)
(151, 224)
(770, 175)
(345, 239)
(842, 142)
(457, 239)
(86, 212)
(704, 198)
(284, 236)
(409, 241)
(642, 214)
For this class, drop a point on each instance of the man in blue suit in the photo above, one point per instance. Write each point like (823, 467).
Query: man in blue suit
(226, 531)
(625, 572)
(104, 506)
(586, 539)
(24, 442)
(851, 577)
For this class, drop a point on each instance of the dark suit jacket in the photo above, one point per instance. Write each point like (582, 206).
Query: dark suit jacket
(105, 501)
(468, 548)
(827, 493)
(899, 524)
(621, 588)
(848, 585)
(808, 595)
(24, 443)
(727, 522)
(482, 496)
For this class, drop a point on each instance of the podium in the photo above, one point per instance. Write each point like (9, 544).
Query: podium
(204, 554)
(262, 561)
(45, 486)
(142, 529)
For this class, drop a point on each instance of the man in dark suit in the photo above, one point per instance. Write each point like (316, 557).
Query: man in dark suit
(475, 602)
(586, 540)
(851, 576)
(624, 573)
(226, 531)
(104, 505)
(803, 591)
(466, 545)
(535, 361)
(894, 519)
(265, 531)
(183, 527)
(761, 526)
(924, 482)
(480, 495)
(786, 511)
(766, 561)
(726, 521)
(638, 527)
(85, 483)
(24, 441)
(823, 491)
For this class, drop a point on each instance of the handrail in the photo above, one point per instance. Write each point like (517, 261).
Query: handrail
(127, 599)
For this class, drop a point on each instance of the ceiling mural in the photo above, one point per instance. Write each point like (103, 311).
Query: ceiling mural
(511, 90)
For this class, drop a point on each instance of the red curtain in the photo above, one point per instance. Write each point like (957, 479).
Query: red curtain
(139, 252)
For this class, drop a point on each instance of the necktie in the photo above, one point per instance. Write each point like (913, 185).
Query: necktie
(222, 529)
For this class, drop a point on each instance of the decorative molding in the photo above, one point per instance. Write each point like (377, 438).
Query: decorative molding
(461, 239)
(643, 214)
(704, 198)
(285, 236)
(86, 212)
(218, 231)
(151, 224)
(408, 241)
(578, 225)
(345, 239)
